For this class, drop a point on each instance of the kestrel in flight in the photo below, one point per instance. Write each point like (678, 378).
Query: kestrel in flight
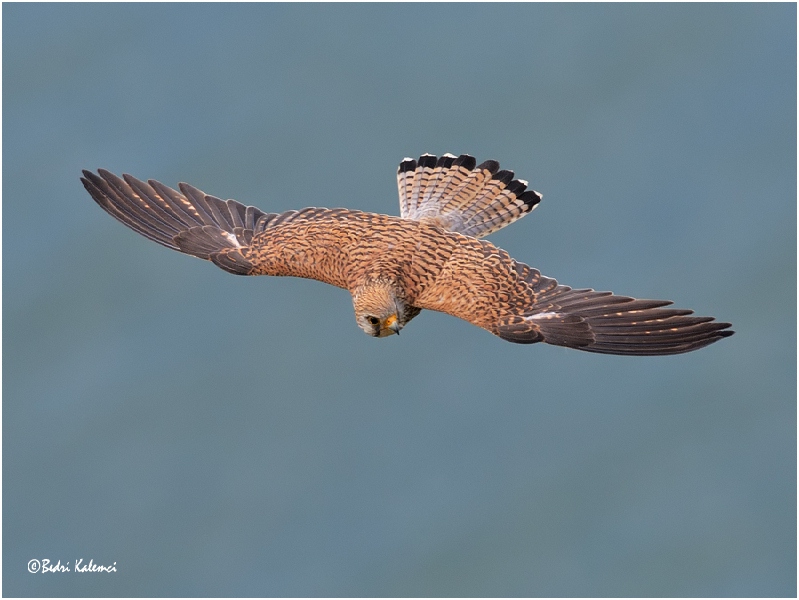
(430, 257)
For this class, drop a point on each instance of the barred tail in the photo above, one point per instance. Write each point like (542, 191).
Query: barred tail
(191, 222)
(453, 193)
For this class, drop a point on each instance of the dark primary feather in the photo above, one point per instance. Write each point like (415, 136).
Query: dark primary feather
(192, 222)
(163, 215)
(606, 323)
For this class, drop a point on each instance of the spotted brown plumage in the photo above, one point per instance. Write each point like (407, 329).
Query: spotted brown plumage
(428, 258)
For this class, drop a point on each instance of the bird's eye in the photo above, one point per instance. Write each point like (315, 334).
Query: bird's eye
(373, 320)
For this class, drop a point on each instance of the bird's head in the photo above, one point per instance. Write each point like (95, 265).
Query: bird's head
(379, 309)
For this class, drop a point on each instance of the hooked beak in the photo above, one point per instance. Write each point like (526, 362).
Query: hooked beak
(393, 324)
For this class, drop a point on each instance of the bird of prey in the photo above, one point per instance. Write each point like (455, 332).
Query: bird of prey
(430, 257)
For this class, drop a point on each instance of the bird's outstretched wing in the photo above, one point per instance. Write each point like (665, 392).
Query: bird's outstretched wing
(191, 222)
(482, 284)
(240, 239)
(454, 194)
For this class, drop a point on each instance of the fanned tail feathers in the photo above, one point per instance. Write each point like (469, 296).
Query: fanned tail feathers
(605, 323)
(453, 193)
(191, 222)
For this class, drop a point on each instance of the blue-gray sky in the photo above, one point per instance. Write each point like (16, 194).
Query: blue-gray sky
(216, 435)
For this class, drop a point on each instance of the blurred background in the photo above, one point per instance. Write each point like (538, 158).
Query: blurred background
(219, 435)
